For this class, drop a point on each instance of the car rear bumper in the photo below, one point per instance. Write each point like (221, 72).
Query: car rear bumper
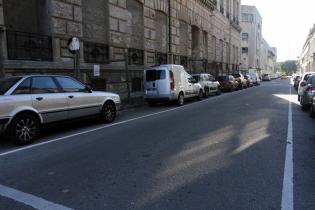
(160, 97)
(157, 99)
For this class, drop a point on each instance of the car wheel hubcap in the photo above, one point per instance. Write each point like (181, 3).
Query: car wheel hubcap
(109, 112)
(26, 129)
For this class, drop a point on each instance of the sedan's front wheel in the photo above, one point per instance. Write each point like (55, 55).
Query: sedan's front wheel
(24, 129)
(108, 114)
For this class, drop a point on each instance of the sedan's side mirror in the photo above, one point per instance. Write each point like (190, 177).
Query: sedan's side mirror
(88, 88)
(303, 84)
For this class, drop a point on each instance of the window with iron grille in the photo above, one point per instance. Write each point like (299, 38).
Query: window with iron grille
(96, 52)
(135, 56)
(184, 61)
(29, 46)
(160, 58)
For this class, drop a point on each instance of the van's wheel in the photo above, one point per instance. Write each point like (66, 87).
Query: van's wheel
(200, 95)
(207, 93)
(24, 129)
(180, 100)
(108, 113)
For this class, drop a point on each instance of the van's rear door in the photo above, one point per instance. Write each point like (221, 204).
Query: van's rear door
(156, 82)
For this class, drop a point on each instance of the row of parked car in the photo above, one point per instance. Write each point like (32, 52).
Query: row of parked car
(28, 102)
(164, 83)
(305, 86)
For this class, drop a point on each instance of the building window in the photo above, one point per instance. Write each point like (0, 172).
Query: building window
(160, 58)
(28, 46)
(247, 17)
(96, 53)
(184, 61)
(135, 56)
(244, 50)
(245, 36)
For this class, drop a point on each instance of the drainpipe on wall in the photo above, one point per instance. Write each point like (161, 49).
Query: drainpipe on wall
(169, 33)
(2, 70)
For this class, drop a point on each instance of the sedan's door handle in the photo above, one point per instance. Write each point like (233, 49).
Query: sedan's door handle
(39, 98)
(70, 96)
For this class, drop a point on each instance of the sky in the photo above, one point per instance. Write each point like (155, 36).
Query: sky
(285, 24)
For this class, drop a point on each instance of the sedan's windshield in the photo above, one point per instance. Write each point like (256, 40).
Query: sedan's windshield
(7, 83)
(196, 77)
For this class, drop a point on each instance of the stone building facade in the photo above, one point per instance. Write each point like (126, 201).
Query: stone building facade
(202, 35)
(268, 58)
(307, 57)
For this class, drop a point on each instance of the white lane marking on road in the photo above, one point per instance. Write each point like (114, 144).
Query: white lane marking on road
(114, 124)
(287, 202)
(30, 200)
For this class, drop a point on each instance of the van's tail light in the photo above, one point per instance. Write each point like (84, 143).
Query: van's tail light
(311, 89)
(172, 80)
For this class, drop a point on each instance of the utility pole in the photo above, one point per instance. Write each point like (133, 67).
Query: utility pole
(2, 71)
(170, 60)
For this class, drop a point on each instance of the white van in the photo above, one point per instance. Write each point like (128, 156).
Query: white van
(169, 83)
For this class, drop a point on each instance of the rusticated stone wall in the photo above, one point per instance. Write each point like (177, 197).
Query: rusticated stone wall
(192, 31)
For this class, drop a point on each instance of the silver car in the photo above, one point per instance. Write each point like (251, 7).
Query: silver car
(27, 102)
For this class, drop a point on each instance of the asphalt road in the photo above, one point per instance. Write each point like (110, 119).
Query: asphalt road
(226, 152)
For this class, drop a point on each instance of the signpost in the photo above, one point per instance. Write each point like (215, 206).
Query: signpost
(2, 71)
(74, 48)
(96, 71)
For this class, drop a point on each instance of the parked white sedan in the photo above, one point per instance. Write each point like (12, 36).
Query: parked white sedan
(27, 102)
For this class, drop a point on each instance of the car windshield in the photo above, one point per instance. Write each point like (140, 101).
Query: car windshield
(7, 83)
(196, 77)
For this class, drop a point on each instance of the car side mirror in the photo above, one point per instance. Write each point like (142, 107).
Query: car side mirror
(88, 88)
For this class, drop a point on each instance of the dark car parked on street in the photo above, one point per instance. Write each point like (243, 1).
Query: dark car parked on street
(307, 96)
(228, 83)
(296, 81)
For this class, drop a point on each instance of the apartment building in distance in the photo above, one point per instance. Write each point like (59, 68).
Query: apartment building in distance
(256, 54)
(268, 58)
(307, 57)
(202, 35)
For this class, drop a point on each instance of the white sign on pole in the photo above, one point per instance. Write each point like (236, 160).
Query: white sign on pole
(97, 71)
(74, 44)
